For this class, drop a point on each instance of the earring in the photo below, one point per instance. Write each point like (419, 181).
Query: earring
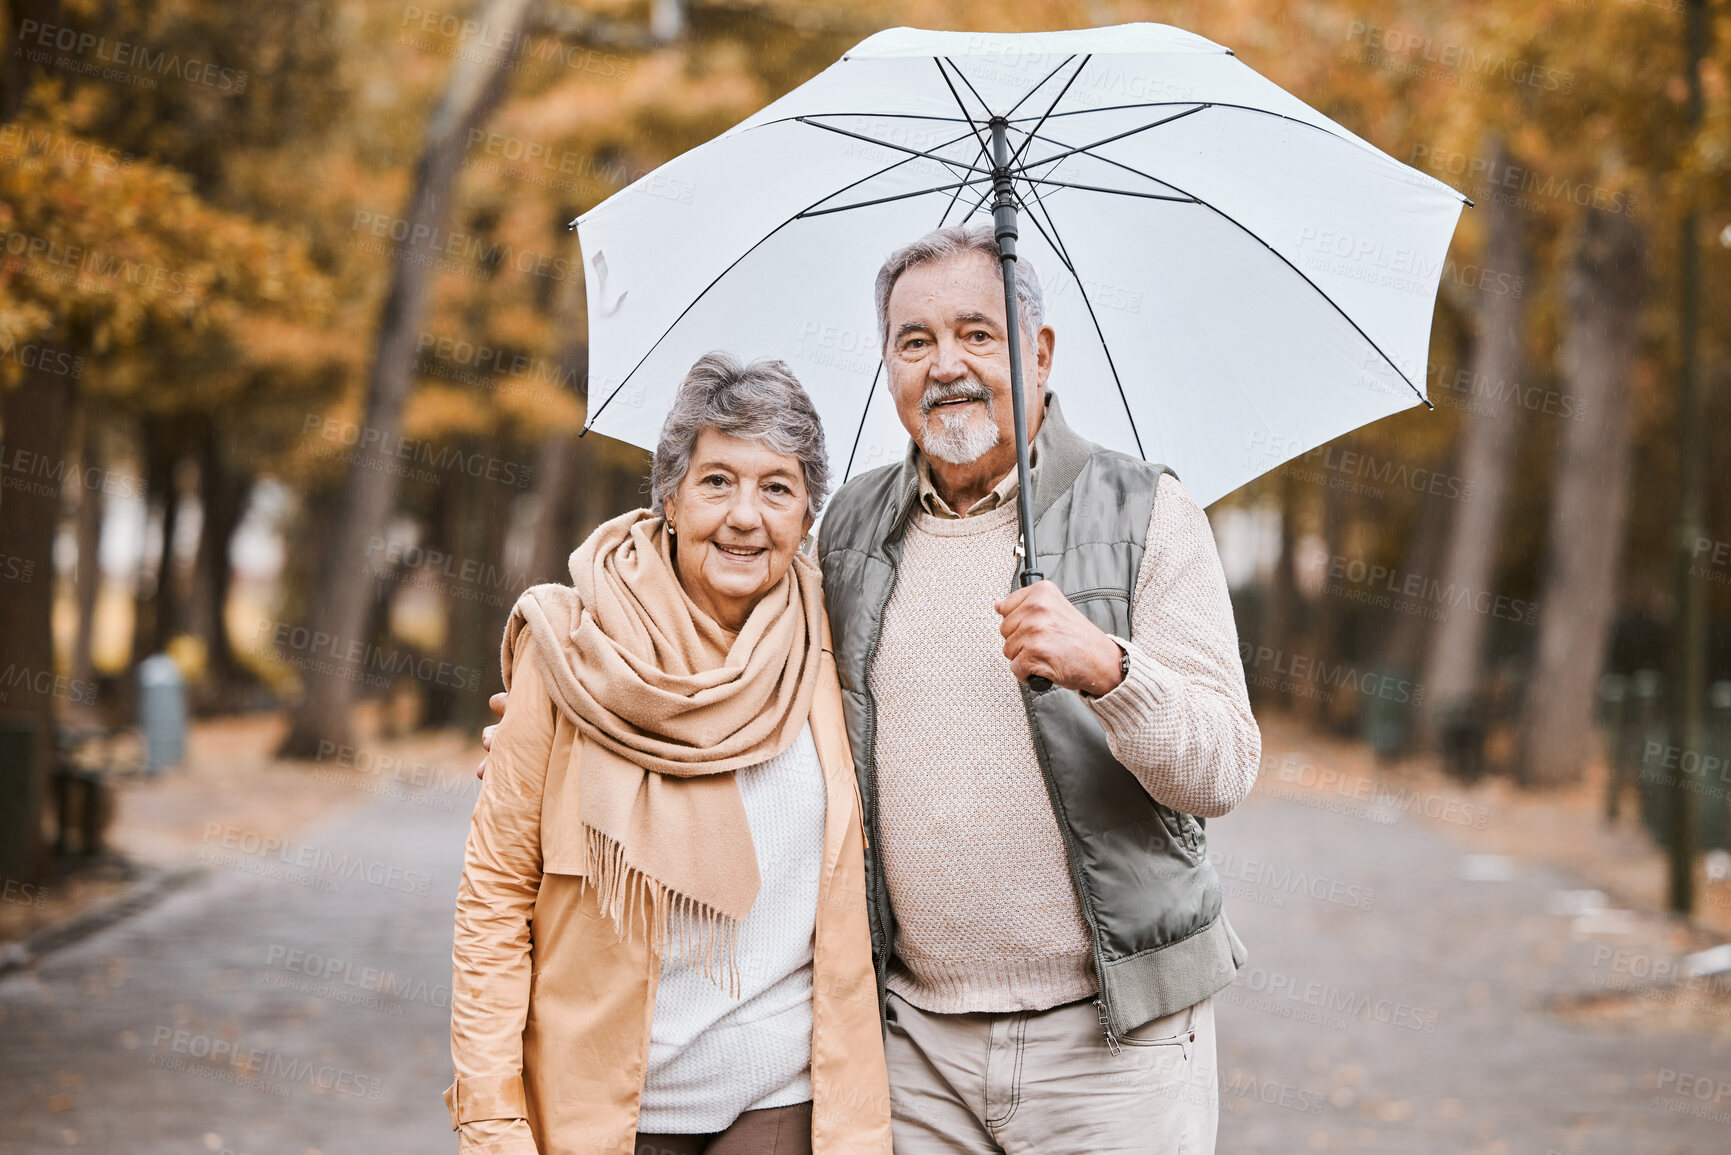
(671, 532)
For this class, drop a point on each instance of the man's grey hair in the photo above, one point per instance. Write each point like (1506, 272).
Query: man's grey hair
(762, 401)
(940, 244)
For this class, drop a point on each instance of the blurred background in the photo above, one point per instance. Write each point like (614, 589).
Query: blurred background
(292, 362)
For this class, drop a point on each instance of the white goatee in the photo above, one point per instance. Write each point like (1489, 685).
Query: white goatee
(962, 440)
(966, 436)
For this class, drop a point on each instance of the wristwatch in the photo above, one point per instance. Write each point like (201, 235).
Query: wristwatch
(1123, 669)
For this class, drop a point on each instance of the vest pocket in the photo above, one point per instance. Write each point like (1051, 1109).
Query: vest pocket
(1106, 606)
(1099, 592)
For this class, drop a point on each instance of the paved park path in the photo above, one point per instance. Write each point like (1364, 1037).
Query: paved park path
(1426, 1022)
(293, 1000)
(1399, 999)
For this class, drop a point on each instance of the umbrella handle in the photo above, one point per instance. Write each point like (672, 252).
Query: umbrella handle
(1035, 682)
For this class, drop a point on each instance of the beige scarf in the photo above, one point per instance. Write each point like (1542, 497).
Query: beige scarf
(670, 704)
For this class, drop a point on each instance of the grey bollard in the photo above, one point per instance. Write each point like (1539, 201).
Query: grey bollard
(162, 712)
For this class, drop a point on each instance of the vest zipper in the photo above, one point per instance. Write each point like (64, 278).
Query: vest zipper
(1104, 1003)
(880, 887)
(1073, 853)
(859, 800)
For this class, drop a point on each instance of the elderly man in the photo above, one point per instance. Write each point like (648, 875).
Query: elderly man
(1047, 928)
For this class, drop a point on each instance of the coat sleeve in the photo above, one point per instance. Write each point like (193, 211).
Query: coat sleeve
(491, 962)
(1180, 720)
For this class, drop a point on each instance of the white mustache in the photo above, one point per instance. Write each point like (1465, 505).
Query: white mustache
(936, 395)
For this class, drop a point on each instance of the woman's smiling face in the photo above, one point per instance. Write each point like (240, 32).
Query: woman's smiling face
(737, 517)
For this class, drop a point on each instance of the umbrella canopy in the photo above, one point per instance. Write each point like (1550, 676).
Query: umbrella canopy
(1233, 278)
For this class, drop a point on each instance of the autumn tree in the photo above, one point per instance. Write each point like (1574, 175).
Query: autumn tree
(1602, 291)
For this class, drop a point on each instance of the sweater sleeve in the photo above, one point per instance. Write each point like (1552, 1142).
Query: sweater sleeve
(1180, 720)
(495, 909)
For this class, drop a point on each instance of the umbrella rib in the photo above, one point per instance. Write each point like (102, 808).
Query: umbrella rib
(1116, 136)
(976, 207)
(1194, 199)
(912, 152)
(985, 152)
(1056, 241)
(1176, 103)
(958, 71)
(1017, 158)
(872, 115)
(1063, 251)
(589, 422)
(1123, 192)
(1240, 108)
(1155, 104)
(986, 180)
(1202, 104)
(1042, 84)
(1114, 163)
(859, 431)
(954, 197)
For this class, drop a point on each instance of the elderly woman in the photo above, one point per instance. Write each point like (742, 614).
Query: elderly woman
(661, 940)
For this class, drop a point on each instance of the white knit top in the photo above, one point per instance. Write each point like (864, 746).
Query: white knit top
(712, 1056)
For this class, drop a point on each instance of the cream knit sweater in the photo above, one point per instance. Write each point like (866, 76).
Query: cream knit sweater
(713, 1055)
(987, 915)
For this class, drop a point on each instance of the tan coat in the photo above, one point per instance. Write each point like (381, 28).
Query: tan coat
(550, 1010)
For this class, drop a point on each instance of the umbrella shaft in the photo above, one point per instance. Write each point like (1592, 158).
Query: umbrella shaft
(1004, 221)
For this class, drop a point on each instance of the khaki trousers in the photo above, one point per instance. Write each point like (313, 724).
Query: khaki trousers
(1045, 1082)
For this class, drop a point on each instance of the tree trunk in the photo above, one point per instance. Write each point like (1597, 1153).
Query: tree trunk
(1324, 634)
(1404, 643)
(1590, 497)
(444, 536)
(223, 494)
(340, 601)
(561, 499)
(1278, 625)
(479, 622)
(88, 583)
(1487, 459)
(156, 608)
(1689, 627)
(561, 507)
(35, 418)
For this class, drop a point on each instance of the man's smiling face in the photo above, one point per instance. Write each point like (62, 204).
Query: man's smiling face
(949, 362)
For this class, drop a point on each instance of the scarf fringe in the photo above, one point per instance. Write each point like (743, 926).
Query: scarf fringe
(696, 932)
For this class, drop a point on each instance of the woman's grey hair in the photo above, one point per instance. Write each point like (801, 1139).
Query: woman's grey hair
(948, 242)
(762, 401)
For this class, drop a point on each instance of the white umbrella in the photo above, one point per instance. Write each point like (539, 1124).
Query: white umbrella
(1234, 279)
